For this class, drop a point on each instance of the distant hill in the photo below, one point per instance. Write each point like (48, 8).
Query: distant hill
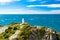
(24, 31)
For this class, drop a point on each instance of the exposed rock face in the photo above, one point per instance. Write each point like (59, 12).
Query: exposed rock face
(33, 35)
(26, 32)
(39, 33)
(2, 29)
(45, 36)
(14, 35)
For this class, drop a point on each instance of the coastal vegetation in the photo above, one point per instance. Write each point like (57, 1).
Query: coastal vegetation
(58, 36)
(25, 31)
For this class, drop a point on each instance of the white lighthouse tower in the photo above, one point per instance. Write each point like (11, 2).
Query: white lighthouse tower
(22, 20)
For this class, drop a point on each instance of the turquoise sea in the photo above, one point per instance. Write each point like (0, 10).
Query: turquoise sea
(48, 20)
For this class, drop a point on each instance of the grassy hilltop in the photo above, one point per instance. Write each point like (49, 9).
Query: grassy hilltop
(19, 31)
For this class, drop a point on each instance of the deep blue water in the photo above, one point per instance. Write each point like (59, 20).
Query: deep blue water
(48, 20)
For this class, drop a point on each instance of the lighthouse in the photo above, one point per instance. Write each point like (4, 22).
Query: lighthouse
(22, 20)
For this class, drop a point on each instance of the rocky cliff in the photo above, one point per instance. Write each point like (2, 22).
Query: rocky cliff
(19, 31)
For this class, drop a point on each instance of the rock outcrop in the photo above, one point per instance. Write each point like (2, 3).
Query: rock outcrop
(26, 32)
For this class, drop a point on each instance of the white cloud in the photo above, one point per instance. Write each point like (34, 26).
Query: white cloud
(24, 11)
(2, 2)
(43, 2)
(50, 5)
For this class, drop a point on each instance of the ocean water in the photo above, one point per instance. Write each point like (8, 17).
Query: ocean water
(47, 20)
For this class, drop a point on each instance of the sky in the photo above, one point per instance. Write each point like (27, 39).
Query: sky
(29, 6)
